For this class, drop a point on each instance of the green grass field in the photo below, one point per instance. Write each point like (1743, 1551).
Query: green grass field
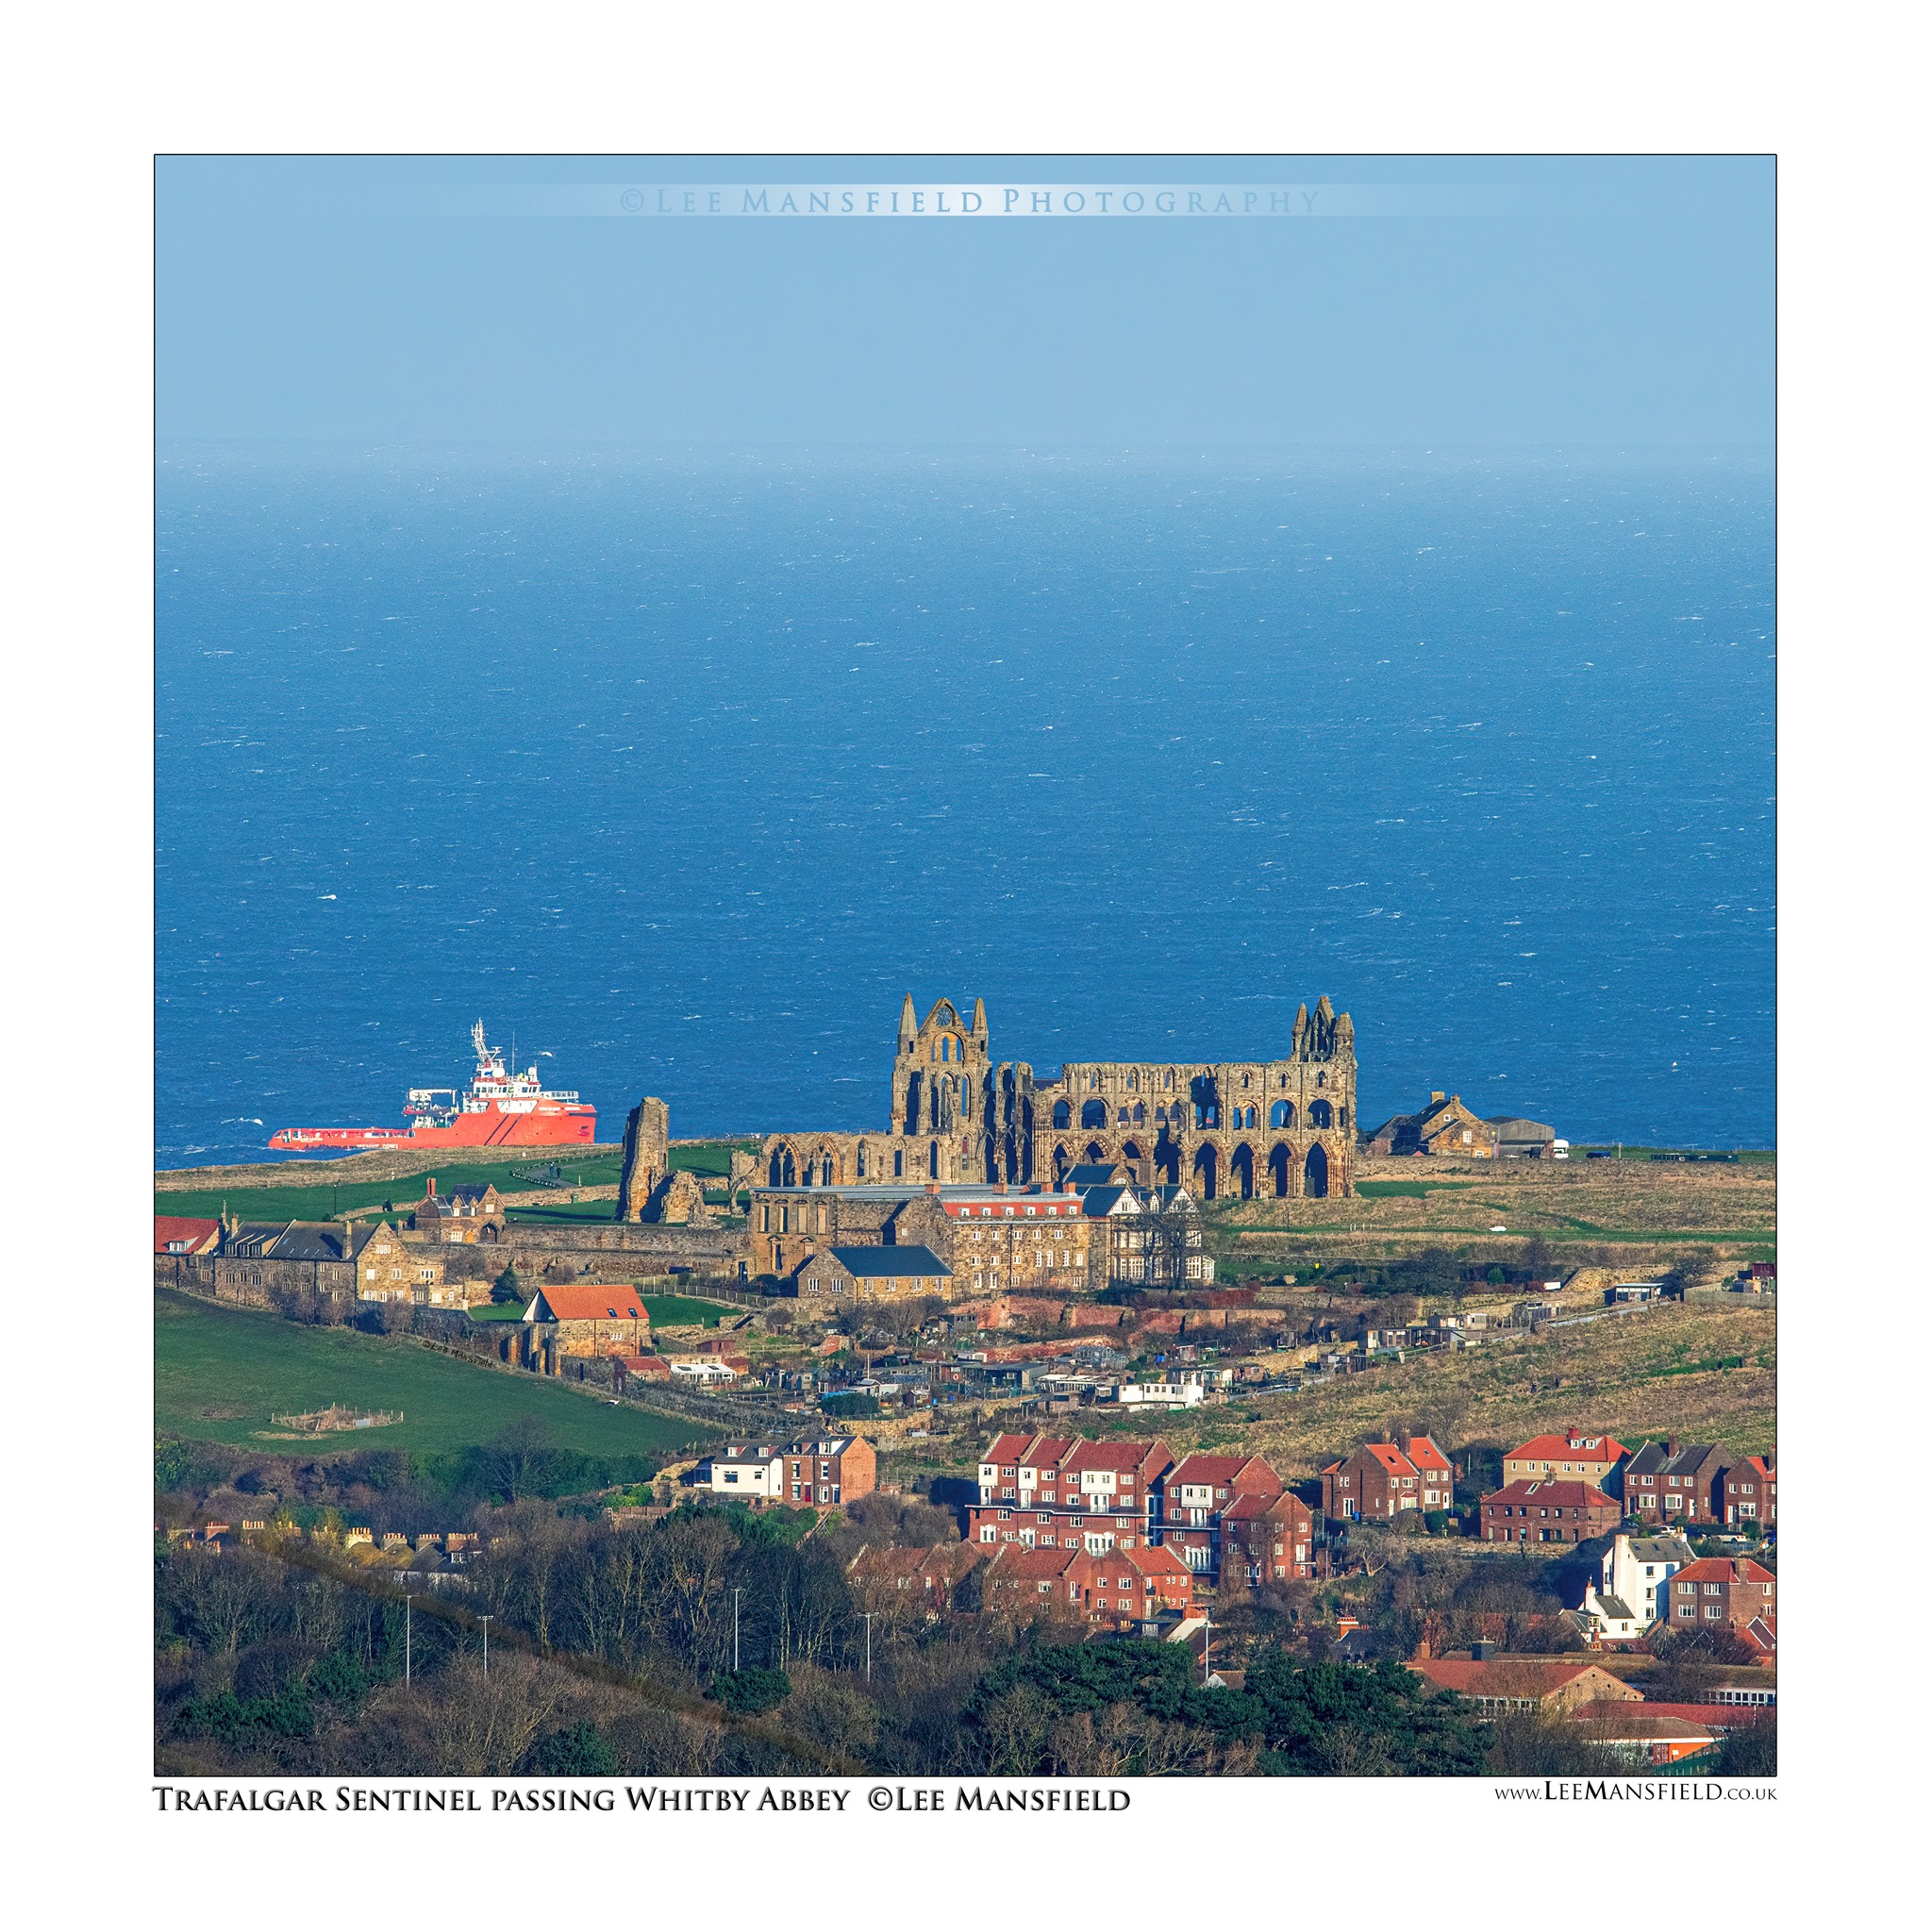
(302, 1199)
(220, 1374)
(665, 1310)
(1408, 1191)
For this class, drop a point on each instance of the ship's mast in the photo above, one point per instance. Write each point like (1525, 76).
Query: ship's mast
(482, 1050)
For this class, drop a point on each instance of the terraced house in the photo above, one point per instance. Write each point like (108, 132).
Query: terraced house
(1673, 1482)
(1594, 1459)
(1382, 1479)
(1065, 1492)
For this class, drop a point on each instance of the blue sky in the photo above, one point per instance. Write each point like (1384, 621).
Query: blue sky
(1608, 302)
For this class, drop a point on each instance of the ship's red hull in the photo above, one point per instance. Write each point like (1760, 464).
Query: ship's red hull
(540, 1127)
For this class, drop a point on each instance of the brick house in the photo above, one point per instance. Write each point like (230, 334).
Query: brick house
(1115, 1588)
(1725, 1592)
(1382, 1479)
(1065, 1492)
(1546, 1512)
(1267, 1539)
(592, 1317)
(1496, 1684)
(1594, 1459)
(1750, 1491)
(1195, 1494)
(1671, 1482)
(830, 1469)
(926, 1581)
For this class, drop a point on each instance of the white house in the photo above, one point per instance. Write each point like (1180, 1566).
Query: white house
(703, 1370)
(746, 1470)
(1151, 1394)
(1630, 1594)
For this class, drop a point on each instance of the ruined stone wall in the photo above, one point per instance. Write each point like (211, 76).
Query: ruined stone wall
(1283, 1127)
(646, 1158)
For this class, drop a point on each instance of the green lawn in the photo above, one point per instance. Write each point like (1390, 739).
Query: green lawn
(220, 1374)
(303, 1199)
(665, 1310)
(1411, 1190)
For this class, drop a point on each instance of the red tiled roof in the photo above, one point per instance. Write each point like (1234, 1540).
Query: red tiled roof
(1501, 1676)
(1562, 1449)
(593, 1301)
(182, 1228)
(1215, 1469)
(1424, 1455)
(1118, 1456)
(1724, 1570)
(1569, 1494)
(1391, 1457)
(1153, 1560)
(1654, 1722)
(1008, 1448)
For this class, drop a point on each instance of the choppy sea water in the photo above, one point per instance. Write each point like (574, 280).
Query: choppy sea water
(681, 769)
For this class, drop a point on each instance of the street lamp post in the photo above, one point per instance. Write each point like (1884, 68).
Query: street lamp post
(485, 1622)
(868, 1615)
(736, 1592)
(409, 1631)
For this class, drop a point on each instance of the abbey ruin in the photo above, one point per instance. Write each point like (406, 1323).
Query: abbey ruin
(1282, 1127)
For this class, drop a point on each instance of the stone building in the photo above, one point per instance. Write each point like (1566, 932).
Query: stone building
(1283, 1126)
(647, 1158)
(994, 1240)
(1445, 1126)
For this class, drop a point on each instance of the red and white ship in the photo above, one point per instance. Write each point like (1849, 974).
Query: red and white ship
(498, 1108)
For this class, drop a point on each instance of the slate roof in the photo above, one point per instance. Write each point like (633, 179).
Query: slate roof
(1092, 1173)
(317, 1241)
(883, 1263)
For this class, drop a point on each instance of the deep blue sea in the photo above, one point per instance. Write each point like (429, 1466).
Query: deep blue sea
(683, 768)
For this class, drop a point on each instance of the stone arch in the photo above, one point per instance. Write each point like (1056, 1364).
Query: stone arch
(1206, 1165)
(1062, 1116)
(1320, 1115)
(1094, 1113)
(862, 1161)
(1341, 1118)
(1315, 1173)
(784, 1166)
(1139, 1113)
(932, 1161)
(1281, 1167)
(1136, 1160)
(1281, 1114)
(1241, 1170)
(1095, 1155)
(1167, 1162)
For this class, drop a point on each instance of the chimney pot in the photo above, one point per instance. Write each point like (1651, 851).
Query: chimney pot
(432, 1184)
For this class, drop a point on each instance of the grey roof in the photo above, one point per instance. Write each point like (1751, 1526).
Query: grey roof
(1654, 1459)
(872, 1262)
(1661, 1549)
(317, 1241)
(1092, 1173)
(1099, 1201)
(1532, 1130)
(1616, 1607)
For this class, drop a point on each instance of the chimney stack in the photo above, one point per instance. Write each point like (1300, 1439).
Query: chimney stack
(431, 1187)
(1437, 1099)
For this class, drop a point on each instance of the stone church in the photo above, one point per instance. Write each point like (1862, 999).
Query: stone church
(1283, 1127)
